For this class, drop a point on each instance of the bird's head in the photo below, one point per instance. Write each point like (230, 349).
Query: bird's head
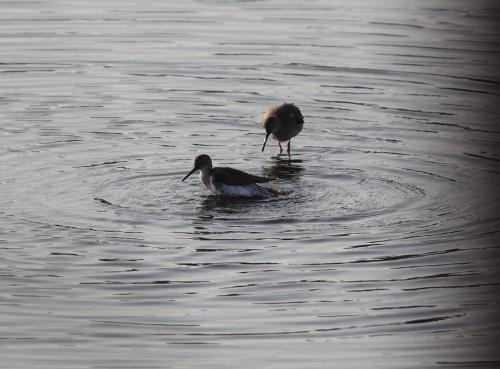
(200, 163)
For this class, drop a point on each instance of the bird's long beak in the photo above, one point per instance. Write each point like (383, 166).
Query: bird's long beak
(267, 136)
(191, 172)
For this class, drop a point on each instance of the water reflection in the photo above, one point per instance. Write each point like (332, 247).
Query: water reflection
(386, 233)
(226, 205)
(284, 167)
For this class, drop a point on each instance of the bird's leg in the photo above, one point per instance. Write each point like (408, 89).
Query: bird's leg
(288, 148)
(281, 149)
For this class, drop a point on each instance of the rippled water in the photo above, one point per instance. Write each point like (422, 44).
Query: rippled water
(382, 252)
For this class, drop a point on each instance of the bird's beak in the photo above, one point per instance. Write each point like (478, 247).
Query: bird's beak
(191, 172)
(267, 136)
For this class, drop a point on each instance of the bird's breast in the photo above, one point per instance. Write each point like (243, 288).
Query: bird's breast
(284, 134)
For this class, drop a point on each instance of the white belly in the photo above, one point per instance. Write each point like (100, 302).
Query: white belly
(248, 191)
(252, 190)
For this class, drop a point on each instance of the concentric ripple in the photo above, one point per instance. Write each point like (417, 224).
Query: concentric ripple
(381, 251)
(343, 195)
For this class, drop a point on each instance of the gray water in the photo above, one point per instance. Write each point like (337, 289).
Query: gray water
(383, 251)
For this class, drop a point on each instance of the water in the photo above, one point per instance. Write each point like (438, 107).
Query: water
(383, 251)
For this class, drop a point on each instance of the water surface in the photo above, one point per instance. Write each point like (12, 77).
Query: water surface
(382, 252)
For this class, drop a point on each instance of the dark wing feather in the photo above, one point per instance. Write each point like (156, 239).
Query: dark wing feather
(290, 113)
(235, 177)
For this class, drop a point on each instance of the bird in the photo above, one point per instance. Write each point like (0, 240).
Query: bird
(228, 181)
(282, 122)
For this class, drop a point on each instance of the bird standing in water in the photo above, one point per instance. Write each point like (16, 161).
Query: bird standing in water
(282, 122)
(228, 181)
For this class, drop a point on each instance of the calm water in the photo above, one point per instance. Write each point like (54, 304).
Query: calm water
(383, 252)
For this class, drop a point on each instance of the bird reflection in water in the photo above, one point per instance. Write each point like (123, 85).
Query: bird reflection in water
(281, 168)
(226, 205)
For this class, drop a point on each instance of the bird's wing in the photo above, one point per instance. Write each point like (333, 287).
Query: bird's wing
(235, 177)
(300, 118)
(297, 115)
(290, 113)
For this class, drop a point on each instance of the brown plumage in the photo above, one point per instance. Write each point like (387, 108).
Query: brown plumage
(282, 123)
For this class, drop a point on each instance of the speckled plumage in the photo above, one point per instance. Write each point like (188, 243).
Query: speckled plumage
(228, 181)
